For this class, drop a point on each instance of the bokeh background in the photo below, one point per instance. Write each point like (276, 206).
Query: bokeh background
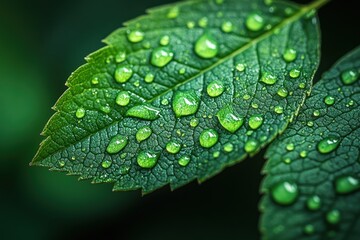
(41, 43)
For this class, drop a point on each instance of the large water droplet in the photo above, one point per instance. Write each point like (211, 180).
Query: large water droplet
(346, 184)
(254, 22)
(185, 103)
(123, 73)
(290, 55)
(350, 76)
(80, 113)
(255, 121)
(123, 98)
(229, 120)
(145, 112)
(147, 159)
(206, 46)
(161, 56)
(135, 36)
(328, 144)
(251, 145)
(285, 193)
(173, 147)
(184, 161)
(208, 138)
(313, 203)
(116, 144)
(329, 100)
(333, 216)
(215, 88)
(143, 133)
(268, 78)
(227, 27)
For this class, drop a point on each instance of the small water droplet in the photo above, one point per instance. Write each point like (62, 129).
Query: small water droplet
(161, 56)
(184, 161)
(185, 103)
(206, 46)
(346, 184)
(215, 88)
(279, 109)
(329, 100)
(229, 120)
(289, 55)
(145, 112)
(228, 147)
(251, 145)
(116, 144)
(227, 27)
(268, 78)
(106, 109)
(203, 22)
(164, 102)
(123, 73)
(350, 76)
(333, 216)
(216, 154)
(255, 121)
(149, 78)
(165, 40)
(208, 138)
(310, 124)
(303, 154)
(254, 105)
(316, 113)
(294, 73)
(302, 85)
(106, 164)
(285, 193)
(283, 92)
(173, 147)
(147, 159)
(109, 59)
(137, 83)
(120, 57)
(73, 158)
(254, 22)
(190, 24)
(246, 97)
(61, 163)
(182, 71)
(95, 80)
(143, 133)
(80, 113)
(173, 13)
(240, 67)
(123, 98)
(219, 2)
(194, 122)
(135, 36)
(328, 144)
(309, 229)
(313, 203)
(287, 160)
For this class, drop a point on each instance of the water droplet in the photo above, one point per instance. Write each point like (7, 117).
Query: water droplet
(254, 22)
(279, 109)
(190, 24)
(116, 144)
(80, 113)
(350, 103)
(185, 103)
(285, 193)
(240, 67)
(268, 78)
(346, 184)
(165, 40)
(216, 154)
(313, 203)
(255, 121)
(328, 144)
(73, 158)
(184, 161)
(302, 85)
(229, 120)
(120, 57)
(208, 138)
(251, 145)
(61, 163)
(109, 59)
(164, 102)
(294, 73)
(203, 22)
(290, 55)
(282, 92)
(290, 147)
(194, 122)
(173, 147)
(316, 113)
(135, 36)
(219, 2)
(350, 76)
(146, 45)
(173, 13)
(123, 98)
(143, 133)
(329, 100)
(145, 112)
(182, 71)
(95, 80)
(309, 229)
(246, 97)
(106, 164)
(228, 147)
(106, 109)
(123, 73)
(215, 88)
(303, 154)
(254, 105)
(149, 78)
(310, 124)
(147, 159)
(161, 56)
(287, 160)
(333, 216)
(227, 27)
(206, 46)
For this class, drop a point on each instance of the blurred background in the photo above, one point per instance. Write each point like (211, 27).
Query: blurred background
(41, 43)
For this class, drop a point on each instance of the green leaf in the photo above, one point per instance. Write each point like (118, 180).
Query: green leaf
(211, 80)
(313, 182)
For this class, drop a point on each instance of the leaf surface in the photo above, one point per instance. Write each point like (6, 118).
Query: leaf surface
(313, 172)
(183, 92)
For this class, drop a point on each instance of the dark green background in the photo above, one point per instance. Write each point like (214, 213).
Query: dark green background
(41, 43)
